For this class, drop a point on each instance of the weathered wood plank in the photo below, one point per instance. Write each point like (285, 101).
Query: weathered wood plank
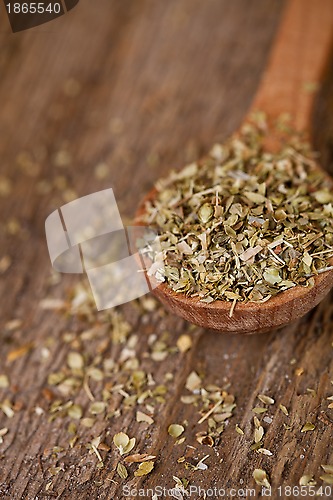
(142, 87)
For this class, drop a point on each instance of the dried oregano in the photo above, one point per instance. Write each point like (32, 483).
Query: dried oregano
(243, 224)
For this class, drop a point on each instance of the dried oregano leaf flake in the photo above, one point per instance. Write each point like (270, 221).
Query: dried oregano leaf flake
(327, 478)
(266, 399)
(184, 343)
(307, 480)
(308, 427)
(260, 476)
(123, 442)
(193, 381)
(97, 407)
(75, 411)
(239, 430)
(283, 409)
(175, 430)
(144, 469)
(4, 381)
(328, 468)
(143, 417)
(258, 410)
(139, 457)
(122, 471)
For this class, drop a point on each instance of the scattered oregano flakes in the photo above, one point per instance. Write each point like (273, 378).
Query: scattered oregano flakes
(4, 382)
(203, 438)
(3, 432)
(258, 434)
(122, 471)
(139, 457)
(261, 478)
(184, 343)
(7, 408)
(193, 381)
(144, 469)
(266, 399)
(97, 407)
(308, 427)
(143, 417)
(75, 412)
(239, 430)
(258, 410)
(175, 430)
(264, 451)
(328, 468)
(75, 361)
(307, 480)
(123, 443)
(327, 478)
(283, 409)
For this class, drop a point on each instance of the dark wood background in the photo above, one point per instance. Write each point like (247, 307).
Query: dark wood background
(141, 86)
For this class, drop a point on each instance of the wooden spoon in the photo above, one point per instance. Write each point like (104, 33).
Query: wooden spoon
(297, 61)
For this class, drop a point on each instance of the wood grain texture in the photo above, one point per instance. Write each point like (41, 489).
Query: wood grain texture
(299, 59)
(160, 82)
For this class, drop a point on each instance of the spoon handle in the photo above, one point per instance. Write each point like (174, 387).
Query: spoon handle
(297, 62)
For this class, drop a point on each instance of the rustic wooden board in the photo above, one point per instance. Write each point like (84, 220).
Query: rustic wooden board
(143, 87)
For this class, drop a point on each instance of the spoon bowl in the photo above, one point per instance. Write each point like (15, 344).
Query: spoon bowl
(247, 317)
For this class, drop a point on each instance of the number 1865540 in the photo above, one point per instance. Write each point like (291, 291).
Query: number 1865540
(34, 8)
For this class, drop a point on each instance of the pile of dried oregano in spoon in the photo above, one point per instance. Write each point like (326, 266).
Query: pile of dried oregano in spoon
(244, 224)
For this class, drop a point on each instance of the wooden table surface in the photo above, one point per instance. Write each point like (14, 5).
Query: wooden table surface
(114, 94)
